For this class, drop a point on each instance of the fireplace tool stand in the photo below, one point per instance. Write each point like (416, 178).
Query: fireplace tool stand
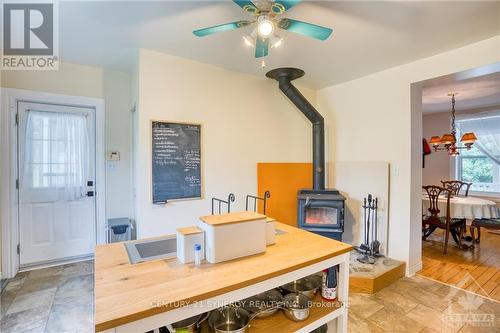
(370, 249)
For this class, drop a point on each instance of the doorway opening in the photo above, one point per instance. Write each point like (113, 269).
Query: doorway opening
(461, 187)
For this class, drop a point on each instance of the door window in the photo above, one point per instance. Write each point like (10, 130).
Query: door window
(56, 153)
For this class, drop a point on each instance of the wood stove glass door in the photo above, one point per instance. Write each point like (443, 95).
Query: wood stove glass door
(321, 216)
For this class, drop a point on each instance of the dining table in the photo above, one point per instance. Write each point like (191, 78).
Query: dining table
(464, 207)
(467, 207)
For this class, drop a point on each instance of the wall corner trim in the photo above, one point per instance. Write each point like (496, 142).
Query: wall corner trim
(410, 271)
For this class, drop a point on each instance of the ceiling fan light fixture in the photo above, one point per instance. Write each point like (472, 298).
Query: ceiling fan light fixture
(266, 20)
(277, 42)
(265, 27)
(248, 41)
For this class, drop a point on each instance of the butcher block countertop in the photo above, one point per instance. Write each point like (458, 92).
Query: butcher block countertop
(125, 293)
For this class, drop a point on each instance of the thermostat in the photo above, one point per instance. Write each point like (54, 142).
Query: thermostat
(113, 156)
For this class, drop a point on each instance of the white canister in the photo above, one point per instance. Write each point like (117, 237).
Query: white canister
(233, 235)
(270, 231)
(187, 238)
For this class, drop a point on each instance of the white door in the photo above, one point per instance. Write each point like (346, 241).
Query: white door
(56, 160)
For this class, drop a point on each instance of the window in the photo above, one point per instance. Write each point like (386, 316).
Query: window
(481, 165)
(476, 168)
(56, 150)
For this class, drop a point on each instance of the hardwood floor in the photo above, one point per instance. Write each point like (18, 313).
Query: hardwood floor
(475, 270)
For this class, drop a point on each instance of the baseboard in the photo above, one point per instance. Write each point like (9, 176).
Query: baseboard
(410, 271)
(58, 262)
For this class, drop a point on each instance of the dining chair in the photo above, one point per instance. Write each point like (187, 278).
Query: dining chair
(477, 224)
(456, 186)
(435, 220)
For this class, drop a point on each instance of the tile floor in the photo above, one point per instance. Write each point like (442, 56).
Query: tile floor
(421, 305)
(60, 299)
(56, 299)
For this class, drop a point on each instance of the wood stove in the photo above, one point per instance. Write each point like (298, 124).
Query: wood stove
(320, 210)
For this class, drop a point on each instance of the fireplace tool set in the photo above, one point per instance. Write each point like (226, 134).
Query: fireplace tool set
(370, 249)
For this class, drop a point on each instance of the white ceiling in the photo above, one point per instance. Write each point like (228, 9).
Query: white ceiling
(368, 36)
(475, 93)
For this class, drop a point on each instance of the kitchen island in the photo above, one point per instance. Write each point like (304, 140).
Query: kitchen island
(142, 297)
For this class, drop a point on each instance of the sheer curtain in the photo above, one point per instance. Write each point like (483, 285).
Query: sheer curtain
(56, 156)
(486, 126)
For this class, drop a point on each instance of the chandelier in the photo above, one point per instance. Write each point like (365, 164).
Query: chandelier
(448, 142)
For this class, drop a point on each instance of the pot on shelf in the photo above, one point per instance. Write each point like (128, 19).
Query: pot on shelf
(307, 286)
(264, 304)
(297, 307)
(189, 325)
(229, 319)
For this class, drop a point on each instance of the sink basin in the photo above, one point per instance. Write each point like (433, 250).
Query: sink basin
(151, 249)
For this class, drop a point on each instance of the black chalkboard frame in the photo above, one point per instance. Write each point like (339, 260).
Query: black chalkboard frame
(202, 188)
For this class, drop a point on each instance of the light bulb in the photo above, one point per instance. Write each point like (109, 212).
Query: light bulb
(265, 27)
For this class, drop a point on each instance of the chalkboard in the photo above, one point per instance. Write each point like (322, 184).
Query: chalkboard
(176, 152)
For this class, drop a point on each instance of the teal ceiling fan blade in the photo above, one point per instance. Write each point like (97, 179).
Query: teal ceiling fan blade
(280, 6)
(304, 28)
(247, 5)
(221, 27)
(261, 47)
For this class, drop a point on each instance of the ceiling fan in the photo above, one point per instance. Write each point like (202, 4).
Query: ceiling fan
(266, 18)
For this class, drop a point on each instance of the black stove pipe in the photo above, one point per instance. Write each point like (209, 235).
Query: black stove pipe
(284, 76)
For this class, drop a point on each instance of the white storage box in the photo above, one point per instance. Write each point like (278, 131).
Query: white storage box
(270, 231)
(233, 235)
(186, 240)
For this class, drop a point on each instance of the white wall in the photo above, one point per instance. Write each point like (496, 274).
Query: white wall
(70, 79)
(371, 120)
(1, 184)
(355, 180)
(437, 164)
(117, 95)
(115, 88)
(245, 119)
